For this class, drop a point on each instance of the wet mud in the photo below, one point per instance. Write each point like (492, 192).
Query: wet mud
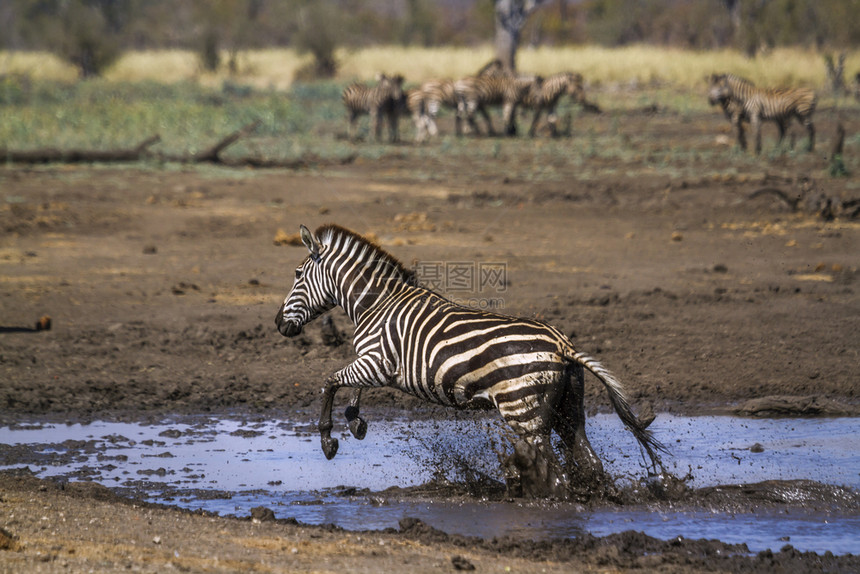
(161, 285)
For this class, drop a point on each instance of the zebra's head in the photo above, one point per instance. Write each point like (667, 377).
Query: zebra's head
(390, 88)
(718, 89)
(575, 88)
(312, 293)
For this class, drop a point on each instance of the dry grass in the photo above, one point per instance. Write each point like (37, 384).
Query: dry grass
(36, 65)
(275, 68)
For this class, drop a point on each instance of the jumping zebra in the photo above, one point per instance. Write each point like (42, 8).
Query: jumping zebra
(741, 99)
(413, 339)
(382, 100)
(545, 93)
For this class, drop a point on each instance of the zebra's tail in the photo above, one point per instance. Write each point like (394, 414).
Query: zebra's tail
(618, 398)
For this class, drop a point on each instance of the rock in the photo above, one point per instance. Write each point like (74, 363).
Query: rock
(262, 514)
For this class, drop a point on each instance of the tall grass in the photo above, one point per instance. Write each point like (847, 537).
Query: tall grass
(167, 93)
(275, 68)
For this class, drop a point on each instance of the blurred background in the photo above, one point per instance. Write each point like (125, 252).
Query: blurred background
(109, 73)
(92, 35)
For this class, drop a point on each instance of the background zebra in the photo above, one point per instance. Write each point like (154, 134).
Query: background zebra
(385, 99)
(476, 93)
(425, 102)
(429, 98)
(544, 94)
(411, 338)
(734, 111)
(741, 98)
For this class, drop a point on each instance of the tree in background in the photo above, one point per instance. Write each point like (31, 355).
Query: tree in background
(511, 17)
(225, 25)
(85, 33)
(92, 33)
(421, 24)
(321, 28)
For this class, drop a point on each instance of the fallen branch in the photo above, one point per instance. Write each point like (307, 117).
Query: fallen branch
(298, 163)
(213, 154)
(78, 156)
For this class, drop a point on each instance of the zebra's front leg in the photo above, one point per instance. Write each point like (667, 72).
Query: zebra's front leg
(810, 130)
(755, 124)
(329, 444)
(376, 124)
(737, 123)
(357, 425)
(365, 371)
(491, 131)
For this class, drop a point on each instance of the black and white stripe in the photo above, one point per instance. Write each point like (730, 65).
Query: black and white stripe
(384, 100)
(426, 101)
(544, 94)
(741, 99)
(476, 93)
(411, 338)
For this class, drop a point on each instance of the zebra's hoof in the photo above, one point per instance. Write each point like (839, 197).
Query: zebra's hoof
(358, 428)
(329, 447)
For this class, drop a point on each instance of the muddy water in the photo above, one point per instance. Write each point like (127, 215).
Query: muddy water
(231, 466)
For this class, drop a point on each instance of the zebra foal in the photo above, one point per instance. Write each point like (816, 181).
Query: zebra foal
(544, 94)
(384, 100)
(413, 339)
(741, 99)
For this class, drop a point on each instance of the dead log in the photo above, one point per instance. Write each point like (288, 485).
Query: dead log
(213, 154)
(51, 155)
(297, 163)
(210, 155)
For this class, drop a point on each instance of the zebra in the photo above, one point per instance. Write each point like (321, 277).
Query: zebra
(411, 338)
(544, 94)
(384, 99)
(476, 93)
(426, 101)
(742, 98)
(735, 113)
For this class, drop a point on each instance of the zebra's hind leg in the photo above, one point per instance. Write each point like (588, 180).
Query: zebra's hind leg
(580, 461)
(533, 470)
(357, 425)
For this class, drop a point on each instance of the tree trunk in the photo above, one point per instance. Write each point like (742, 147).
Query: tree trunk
(511, 16)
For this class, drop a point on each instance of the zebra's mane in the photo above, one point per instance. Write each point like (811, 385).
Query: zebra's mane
(738, 79)
(369, 249)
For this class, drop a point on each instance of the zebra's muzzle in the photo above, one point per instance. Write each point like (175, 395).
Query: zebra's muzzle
(285, 327)
(289, 328)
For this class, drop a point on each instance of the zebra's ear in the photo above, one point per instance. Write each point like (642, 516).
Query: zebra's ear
(310, 242)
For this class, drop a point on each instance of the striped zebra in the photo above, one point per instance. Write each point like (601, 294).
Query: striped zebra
(734, 112)
(544, 94)
(383, 100)
(476, 93)
(742, 99)
(426, 101)
(413, 339)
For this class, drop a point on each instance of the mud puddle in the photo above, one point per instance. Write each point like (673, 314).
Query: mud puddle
(231, 466)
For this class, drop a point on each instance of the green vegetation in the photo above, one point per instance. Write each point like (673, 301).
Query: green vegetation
(166, 93)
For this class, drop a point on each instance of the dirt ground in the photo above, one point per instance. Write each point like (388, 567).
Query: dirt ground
(162, 286)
